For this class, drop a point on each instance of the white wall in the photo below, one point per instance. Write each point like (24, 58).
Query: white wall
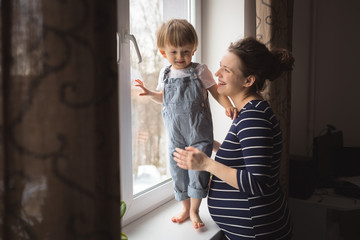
(222, 23)
(325, 82)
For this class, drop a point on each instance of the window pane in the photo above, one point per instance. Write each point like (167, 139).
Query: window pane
(150, 156)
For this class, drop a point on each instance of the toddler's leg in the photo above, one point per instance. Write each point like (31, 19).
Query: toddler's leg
(184, 214)
(194, 213)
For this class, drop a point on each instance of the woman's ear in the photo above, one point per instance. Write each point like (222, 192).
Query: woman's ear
(249, 81)
(162, 52)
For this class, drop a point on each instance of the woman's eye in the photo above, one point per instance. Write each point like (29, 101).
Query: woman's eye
(227, 70)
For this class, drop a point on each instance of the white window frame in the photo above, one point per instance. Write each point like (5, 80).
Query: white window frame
(141, 203)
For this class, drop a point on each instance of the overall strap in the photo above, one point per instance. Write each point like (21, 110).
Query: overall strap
(194, 76)
(166, 71)
(192, 72)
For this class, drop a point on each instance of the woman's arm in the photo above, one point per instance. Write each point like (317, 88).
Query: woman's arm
(255, 134)
(193, 158)
(216, 146)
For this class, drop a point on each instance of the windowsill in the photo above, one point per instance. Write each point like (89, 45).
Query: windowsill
(157, 225)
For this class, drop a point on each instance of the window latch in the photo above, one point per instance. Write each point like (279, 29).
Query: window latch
(122, 39)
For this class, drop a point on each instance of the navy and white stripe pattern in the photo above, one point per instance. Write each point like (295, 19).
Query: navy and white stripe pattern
(258, 209)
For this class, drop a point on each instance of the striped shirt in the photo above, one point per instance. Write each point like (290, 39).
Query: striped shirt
(258, 209)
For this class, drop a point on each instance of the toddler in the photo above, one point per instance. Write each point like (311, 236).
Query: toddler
(183, 91)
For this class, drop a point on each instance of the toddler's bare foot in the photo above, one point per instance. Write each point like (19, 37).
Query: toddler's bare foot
(182, 216)
(196, 220)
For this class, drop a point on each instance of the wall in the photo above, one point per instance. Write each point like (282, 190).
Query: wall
(325, 82)
(222, 23)
(301, 78)
(325, 85)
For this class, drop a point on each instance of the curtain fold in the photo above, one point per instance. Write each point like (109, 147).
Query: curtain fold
(274, 29)
(59, 134)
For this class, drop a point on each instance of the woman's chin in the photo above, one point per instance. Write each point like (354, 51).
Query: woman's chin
(221, 89)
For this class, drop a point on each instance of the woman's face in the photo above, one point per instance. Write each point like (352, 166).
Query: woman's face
(230, 77)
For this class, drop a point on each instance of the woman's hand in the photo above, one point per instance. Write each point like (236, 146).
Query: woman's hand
(191, 158)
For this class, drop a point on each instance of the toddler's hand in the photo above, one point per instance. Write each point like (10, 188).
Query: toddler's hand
(231, 112)
(141, 85)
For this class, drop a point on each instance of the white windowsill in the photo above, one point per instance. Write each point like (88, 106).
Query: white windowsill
(157, 225)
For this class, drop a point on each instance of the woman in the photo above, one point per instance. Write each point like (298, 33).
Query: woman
(245, 197)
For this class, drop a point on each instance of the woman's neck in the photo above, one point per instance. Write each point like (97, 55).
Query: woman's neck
(241, 100)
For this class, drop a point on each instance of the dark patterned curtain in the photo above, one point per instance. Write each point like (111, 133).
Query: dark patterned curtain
(274, 28)
(59, 136)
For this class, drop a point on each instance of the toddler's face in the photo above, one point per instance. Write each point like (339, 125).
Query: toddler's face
(179, 57)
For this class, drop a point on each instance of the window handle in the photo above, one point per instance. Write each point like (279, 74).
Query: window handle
(132, 38)
(121, 39)
(117, 48)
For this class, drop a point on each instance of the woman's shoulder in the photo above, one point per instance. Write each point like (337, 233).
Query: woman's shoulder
(256, 106)
(255, 109)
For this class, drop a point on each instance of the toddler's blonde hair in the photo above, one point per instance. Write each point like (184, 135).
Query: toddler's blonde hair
(176, 33)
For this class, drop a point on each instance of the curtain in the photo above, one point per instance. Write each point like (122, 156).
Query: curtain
(59, 136)
(274, 29)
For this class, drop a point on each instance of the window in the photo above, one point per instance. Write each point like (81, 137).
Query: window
(145, 178)
(221, 25)
(149, 145)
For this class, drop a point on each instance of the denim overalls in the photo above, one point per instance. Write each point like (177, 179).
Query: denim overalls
(188, 122)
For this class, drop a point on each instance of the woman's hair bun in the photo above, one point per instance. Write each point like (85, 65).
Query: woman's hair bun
(283, 61)
(286, 59)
